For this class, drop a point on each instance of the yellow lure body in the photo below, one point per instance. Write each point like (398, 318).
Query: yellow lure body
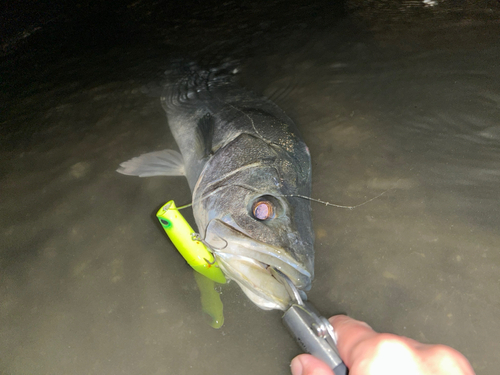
(194, 251)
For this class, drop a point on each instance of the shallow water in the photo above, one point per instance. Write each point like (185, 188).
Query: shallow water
(90, 283)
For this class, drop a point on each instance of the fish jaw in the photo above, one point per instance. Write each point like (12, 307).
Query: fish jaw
(247, 261)
(256, 281)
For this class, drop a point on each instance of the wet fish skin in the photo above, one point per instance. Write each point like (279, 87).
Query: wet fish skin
(238, 148)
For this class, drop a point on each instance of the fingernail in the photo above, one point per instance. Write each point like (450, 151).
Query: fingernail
(296, 367)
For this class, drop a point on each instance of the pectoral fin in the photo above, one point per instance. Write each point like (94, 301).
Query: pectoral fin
(157, 163)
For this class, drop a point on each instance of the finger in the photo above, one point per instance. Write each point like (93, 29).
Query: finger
(306, 364)
(445, 360)
(350, 333)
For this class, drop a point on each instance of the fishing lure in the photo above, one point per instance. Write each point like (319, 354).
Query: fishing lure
(189, 246)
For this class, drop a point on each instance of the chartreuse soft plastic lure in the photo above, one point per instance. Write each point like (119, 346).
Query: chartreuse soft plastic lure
(182, 236)
(210, 300)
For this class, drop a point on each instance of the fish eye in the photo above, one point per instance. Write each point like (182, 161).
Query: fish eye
(265, 207)
(263, 210)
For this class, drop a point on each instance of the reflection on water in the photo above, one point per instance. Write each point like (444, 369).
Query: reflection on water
(90, 284)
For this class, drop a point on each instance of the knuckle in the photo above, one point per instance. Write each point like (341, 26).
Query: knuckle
(393, 354)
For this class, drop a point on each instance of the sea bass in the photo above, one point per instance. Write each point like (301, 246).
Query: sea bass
(250, 176)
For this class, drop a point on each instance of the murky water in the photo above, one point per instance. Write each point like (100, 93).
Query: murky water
(90, 283)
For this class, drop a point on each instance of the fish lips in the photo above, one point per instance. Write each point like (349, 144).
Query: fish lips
(232, 245)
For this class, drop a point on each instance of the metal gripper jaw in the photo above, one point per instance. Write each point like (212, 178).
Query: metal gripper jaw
(313, 332)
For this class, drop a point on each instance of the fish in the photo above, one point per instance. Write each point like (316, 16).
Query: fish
(249, 172)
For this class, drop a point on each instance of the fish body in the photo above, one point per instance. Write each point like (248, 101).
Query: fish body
(250, 174)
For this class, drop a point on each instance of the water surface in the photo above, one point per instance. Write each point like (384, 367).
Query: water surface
(89, 281)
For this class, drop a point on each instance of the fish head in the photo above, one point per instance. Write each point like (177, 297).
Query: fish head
(255, 218)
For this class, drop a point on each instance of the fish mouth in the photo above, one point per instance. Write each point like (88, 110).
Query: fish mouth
(248, 262)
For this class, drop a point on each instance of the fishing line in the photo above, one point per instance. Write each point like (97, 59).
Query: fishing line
(185, 206)
(303, 197)
(288, 195)
(333, 204)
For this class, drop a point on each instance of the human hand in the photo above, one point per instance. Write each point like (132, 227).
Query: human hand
(366, 352)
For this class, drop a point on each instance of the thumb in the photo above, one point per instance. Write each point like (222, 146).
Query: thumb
(306, 364)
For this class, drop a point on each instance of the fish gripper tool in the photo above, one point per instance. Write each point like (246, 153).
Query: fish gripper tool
(313, 332)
